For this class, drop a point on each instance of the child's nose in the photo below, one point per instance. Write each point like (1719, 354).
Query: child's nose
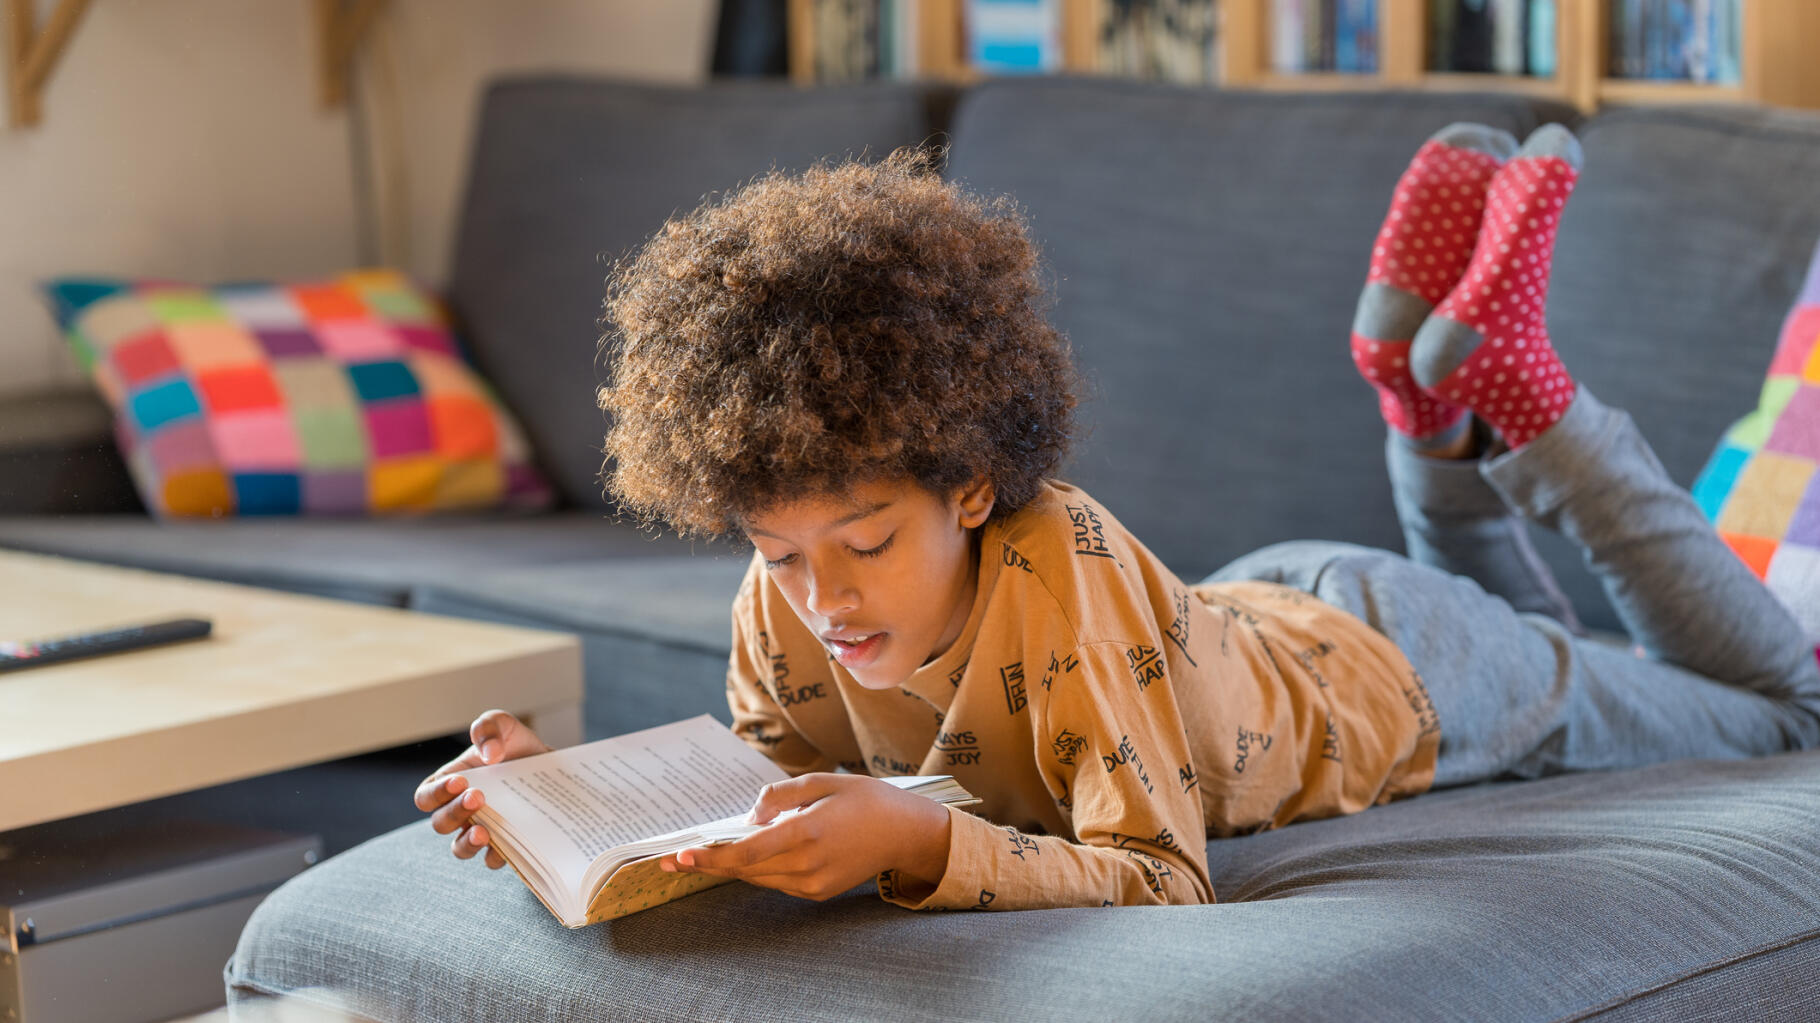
(830, 596)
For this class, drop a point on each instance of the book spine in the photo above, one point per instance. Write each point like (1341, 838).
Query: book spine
(1013, 36)
(1440, 34)
(1627, 40)
(1330, 35)
(1681, 18)
(1286, 31)
(1542, 32)
(1729, 26)
(908, 33)
(1313, 27)
(1655, 28)
(1506, 36)
(1700, 41)
(1472, 39)
(1345, 36)
(887, 39)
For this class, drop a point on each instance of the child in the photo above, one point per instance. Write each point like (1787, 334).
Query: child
(851, 369)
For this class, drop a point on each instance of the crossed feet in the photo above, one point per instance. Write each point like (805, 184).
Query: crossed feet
(1451, 321)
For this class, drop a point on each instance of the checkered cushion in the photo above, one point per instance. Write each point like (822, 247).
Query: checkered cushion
(342, 397)
(1760, 487)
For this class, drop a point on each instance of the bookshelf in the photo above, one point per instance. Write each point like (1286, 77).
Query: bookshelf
(1778, 61)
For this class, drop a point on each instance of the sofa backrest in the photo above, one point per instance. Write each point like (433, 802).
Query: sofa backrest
(1209, 248)
(570, 174)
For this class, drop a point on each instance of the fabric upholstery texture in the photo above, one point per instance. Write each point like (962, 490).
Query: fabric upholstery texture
(1595, 896)
(654, 631)
(338, 397)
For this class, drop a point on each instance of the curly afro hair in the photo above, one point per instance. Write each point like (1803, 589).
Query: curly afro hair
(807, 332)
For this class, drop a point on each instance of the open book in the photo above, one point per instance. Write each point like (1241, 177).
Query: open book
(585, 826)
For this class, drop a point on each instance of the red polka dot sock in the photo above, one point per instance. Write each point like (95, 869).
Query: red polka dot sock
(1421, 251)
(1486, 346)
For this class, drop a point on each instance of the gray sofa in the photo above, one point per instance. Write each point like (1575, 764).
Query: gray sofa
(1207, 249)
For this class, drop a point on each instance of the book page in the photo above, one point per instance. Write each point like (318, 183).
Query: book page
(569, 806)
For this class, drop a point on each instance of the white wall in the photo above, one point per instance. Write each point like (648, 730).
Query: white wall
(184, 138)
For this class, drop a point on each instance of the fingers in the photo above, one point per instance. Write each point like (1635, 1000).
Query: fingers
(789, 863)
(491, 732)
(439, 788)
(499, 736)
(779, 796)
(469, 841)
(784, 847)
(457, 813)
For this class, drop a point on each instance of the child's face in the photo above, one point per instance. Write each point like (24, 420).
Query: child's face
(888, 564)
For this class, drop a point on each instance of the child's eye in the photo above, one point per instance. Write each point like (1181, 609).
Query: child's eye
(780, 562)
(875, 551)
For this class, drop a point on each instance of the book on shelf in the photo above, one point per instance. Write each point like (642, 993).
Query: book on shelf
(585, 827)
(1324, 35)
(898, 39)
(1168, 40)
(846, 34)
(1676, 40)
(861, 39)
(1014, 36)
(1506, 37)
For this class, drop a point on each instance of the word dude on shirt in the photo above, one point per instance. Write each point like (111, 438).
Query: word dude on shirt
(1127, 754)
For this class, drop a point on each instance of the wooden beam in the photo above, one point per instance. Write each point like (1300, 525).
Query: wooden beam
(941, 46)
(1243, 42)
(1778, 52)
(339, 29)
(1402, 40)
(21, 21)
(1081, 34)
(800, 42)
(32, 54)
(1580, 51)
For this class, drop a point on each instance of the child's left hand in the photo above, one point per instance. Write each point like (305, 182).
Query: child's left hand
(851, 828)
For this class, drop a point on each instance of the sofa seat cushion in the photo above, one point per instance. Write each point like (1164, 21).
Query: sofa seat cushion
(655, 632)
(377, 561)
(1685, 890)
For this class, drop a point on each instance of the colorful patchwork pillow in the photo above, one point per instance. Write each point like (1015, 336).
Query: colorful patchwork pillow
(1760, 488)
(342, 397)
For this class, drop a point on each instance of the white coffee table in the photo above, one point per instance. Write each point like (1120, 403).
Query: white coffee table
(283, 681)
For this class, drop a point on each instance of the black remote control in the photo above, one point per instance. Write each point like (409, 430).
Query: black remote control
(14, 656)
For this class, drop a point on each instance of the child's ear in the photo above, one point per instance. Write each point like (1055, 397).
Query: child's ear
(975, 501)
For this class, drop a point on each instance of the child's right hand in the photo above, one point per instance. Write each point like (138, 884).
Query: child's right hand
(496, 737)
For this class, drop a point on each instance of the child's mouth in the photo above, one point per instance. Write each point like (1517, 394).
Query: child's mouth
(858, 651)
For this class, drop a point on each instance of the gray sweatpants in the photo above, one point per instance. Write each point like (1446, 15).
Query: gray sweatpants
(1725, 671)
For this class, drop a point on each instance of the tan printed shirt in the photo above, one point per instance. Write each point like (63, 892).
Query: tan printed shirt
(1110, 717)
